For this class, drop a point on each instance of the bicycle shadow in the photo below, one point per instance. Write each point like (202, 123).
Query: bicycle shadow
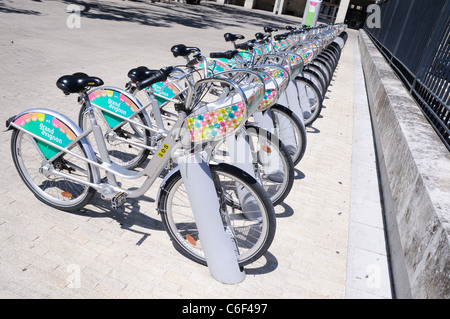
(288, 211)
(312, 129)
(257, 268)
(127, 216)
(298, 174)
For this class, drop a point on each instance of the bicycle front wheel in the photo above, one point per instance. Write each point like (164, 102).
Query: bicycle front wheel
(56, 191)
(309, 95)
(290, 130)
(251, 227)
(273, 163)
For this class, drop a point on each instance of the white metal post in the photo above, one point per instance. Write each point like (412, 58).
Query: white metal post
(219, 248)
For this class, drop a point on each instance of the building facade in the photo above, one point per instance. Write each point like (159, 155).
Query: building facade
(352, 12)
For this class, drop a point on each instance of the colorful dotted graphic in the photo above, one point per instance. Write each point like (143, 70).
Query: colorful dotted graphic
(215, 123)
(268, 99)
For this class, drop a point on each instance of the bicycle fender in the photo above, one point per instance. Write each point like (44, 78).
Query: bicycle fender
(161, 188)
(116, 101)
(55, 129)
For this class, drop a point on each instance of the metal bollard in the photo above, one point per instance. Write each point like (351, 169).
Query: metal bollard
(220, 251)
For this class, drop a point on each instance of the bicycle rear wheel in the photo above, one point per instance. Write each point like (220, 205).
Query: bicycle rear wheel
(56, 191)
(252, 231)
(119, 141)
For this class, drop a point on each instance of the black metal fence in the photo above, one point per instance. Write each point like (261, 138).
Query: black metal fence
(415, 39)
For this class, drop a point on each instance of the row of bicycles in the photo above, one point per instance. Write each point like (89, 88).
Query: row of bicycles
(244, 109)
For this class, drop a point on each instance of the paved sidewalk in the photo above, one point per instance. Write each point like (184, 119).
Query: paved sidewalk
(326, 244)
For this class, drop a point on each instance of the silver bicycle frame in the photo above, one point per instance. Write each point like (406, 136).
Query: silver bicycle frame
(169, 144)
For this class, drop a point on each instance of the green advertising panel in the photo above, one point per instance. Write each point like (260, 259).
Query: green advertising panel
(311, 12)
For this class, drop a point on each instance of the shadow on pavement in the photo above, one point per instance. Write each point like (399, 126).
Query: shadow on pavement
(172, 14)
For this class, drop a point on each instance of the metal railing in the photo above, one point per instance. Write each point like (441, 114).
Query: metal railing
(414, 37)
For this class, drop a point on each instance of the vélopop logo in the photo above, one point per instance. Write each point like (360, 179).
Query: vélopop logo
(74, 19)
(373, 19)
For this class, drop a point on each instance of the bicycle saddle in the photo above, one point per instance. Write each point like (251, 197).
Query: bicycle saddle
(269, 29)
(141, 73)
(280, 36)
(77, 83)
(182, 50)
(260, 36)
(233, 37)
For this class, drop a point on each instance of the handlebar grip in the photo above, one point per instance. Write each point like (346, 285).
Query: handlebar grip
(245, 46)
(160, 76)
(226, 54)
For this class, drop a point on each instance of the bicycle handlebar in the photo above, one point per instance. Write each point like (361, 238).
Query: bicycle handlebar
(160, 76)
(225, 54)
(246, 45)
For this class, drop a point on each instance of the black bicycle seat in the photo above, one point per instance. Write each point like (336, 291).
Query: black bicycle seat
(279, 37)
(141, 73)
(270, 29)
(77, 83)
(182, 50)
(233, 37)
(259, 35)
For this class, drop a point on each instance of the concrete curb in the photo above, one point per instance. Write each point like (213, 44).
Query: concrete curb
(415, 176)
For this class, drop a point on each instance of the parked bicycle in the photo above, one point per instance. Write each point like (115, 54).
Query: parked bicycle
(56, 161)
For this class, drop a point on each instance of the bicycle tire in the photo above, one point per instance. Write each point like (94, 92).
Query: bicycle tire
(126, 155)
(329, 59)
(324, 67)
(336, 48)
(183, 231)
(309, 93)
(321, 73)
(56, 192)
(316, 79)
(285, 119)
(327, 64)
(333, 54)
(275, 184)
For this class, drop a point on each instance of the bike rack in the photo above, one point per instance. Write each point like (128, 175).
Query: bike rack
(218, 247)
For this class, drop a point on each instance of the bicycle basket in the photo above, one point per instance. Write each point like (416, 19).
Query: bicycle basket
(279, 59)
(295, 60)
(276, 80)
(220, 108)
(215, 65)
(251, 82)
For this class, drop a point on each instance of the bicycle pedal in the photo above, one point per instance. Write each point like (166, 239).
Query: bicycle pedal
(118, 200)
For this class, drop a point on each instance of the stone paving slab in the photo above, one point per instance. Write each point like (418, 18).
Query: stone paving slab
(99, 252)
